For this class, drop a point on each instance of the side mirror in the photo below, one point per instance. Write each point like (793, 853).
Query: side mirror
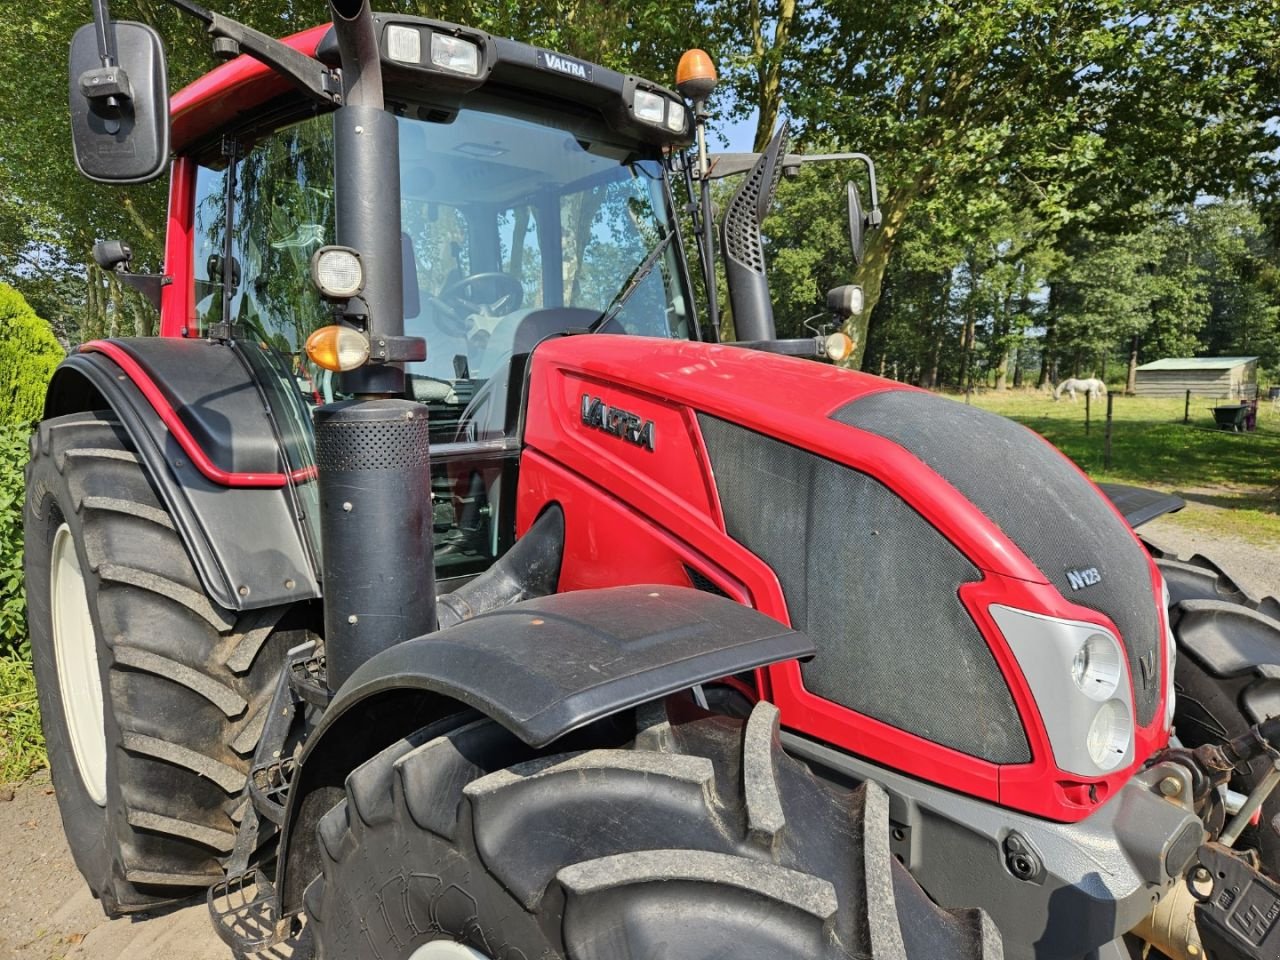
(857, 222)
(119, 103)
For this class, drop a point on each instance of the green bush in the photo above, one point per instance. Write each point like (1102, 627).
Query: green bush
(28, 353)
(13, 608)
(21, 739)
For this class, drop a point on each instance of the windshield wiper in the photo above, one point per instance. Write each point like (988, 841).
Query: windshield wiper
(633, 282)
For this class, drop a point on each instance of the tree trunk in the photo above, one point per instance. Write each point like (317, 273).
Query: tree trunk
(1049, 344)
(768, 64)
(1131, 379)
(870, 273)
(1002, 371)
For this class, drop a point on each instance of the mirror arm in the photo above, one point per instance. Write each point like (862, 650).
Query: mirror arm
(728, 164)
(311, 77)
(106, 41)
(110, 82)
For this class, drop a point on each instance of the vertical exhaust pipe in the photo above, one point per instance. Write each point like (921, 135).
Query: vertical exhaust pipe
(372, 454)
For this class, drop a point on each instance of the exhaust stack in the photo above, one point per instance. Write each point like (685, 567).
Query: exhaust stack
(372, 453)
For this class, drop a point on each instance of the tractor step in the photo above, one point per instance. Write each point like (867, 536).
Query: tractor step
(307, 680)
(244, 910)
(269, 788)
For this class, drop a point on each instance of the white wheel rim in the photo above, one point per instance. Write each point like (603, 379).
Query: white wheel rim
(446, 950)
(75, 649)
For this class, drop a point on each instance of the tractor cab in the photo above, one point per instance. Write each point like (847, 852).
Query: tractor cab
(534, 202)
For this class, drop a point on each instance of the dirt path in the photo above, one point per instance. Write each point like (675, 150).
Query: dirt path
(47, 913)
(1255, 568)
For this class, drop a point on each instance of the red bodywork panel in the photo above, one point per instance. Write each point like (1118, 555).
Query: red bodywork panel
(639, 515)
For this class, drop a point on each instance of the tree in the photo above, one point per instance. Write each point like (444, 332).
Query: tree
(1073, 112)
(28, 353)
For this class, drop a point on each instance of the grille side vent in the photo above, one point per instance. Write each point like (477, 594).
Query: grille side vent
(700, 581)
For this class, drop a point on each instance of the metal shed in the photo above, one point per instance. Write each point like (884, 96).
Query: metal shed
(1218, 377)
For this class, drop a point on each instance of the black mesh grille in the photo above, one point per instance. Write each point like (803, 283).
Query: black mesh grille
(874, 586)
(1041, 503)
(700, 581)
(397, 440)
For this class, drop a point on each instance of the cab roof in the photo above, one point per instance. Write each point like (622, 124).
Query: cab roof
(236, 90)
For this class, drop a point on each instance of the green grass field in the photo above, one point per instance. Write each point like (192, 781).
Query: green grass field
(1151, 446)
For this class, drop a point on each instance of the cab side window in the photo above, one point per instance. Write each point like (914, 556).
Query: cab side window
(283, 211)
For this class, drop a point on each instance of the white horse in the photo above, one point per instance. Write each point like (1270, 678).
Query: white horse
(1071, 386)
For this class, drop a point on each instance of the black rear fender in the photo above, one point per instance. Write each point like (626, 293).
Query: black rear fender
(198, 421)
(543, 669)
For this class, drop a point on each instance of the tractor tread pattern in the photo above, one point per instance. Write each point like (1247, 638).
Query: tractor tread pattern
(129, 507)
(219, 694)
(221, 840)
(1227, 674)
(613, 852)
(193, 600)
(224, 775)
(188, 683)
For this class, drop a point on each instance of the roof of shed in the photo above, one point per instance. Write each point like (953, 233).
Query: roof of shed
(1197, 363)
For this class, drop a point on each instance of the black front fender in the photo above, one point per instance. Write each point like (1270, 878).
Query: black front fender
(542, 669)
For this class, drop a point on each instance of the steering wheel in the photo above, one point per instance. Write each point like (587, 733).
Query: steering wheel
(462, 293)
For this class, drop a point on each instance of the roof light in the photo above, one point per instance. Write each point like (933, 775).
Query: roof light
(456, 54)
(649, 107)
(695, 75)
(675, 117)
(337, 272)
(404, 44)
(337, 348)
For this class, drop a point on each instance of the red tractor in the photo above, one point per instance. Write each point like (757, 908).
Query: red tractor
(437, 575)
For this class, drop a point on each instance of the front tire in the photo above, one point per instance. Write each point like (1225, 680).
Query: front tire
(698, 841)
(152, 698)
(1206, 608)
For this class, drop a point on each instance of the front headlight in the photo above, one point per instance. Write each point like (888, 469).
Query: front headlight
(1109, 735)
(1079, 677)
(1098, 666)
(1172, 646)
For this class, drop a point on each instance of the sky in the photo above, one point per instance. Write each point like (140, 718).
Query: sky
(731, 136)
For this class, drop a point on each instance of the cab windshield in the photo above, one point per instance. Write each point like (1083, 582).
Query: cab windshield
(519, 223)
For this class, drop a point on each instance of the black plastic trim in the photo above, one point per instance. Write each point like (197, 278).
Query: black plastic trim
(1138, 505)
(218, 525)
(545, 667)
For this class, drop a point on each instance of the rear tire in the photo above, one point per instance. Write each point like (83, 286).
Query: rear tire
(697, 841)
(1210, 708)
(151, 787)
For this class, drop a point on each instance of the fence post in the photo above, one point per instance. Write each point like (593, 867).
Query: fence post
(1106, 449)
(1087, 395)
(1186, 413)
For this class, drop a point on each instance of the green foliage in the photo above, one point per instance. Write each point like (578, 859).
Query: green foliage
(22, 749)
(28, 353)
(13, 609)
(1150, 443)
